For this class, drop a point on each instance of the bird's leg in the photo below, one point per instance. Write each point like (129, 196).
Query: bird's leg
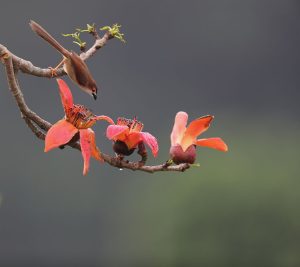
(53, 70)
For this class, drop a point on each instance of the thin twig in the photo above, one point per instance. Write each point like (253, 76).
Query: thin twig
(99, 43)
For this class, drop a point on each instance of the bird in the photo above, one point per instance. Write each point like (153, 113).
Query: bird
(73, 65)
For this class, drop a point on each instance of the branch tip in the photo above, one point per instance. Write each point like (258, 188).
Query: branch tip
(114, 31)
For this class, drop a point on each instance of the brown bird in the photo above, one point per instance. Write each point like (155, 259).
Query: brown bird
(73, 65)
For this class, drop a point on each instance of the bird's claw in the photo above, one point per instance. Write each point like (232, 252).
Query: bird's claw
(53, 72)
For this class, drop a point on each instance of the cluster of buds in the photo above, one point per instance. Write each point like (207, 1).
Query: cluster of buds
(126, 134)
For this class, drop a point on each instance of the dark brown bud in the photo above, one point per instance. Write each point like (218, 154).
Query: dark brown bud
(122, 149)
(179, 156)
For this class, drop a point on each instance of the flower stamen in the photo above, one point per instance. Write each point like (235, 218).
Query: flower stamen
(81, 117)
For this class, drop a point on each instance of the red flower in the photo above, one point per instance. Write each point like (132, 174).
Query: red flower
(127, 134)
(184, 139)
(77, 121)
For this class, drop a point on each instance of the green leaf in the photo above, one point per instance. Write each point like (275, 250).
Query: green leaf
(76, 36)
(114, 31)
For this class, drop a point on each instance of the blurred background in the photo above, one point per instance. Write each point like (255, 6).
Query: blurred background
(237, 60)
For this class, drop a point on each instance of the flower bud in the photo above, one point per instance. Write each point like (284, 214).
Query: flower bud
(122, 149)
(179, 156)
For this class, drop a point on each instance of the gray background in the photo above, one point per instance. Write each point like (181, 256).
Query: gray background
(237, 60)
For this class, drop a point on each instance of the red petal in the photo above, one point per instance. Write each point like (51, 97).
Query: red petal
(65, 94)
(105, 118)
(179, 127)
(59, 134)
(132, 139)
(85, 149)
(114, 132)
(194, 129)
(215, 143)
(88, 148)
(151, 141)
(94, 149)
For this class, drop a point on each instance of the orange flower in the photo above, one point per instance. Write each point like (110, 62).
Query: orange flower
(184, 139)
(77, 123)
(127, 135)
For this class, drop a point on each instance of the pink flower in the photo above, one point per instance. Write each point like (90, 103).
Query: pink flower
(127, 134)
(77, 121)
(184, 139)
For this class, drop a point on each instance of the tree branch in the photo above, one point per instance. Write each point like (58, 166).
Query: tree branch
(17, 93)
(27, 67)
(39, 126)
(99, 43)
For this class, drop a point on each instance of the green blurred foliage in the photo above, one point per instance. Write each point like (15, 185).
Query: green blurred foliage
(237, 209)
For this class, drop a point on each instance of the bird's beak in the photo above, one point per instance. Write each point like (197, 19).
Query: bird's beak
(94, 95)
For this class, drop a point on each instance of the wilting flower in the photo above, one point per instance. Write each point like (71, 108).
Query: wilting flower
(127, 135)
(75, 125)
(184, 139)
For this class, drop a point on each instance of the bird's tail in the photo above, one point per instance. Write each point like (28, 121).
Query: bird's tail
(39, 30)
